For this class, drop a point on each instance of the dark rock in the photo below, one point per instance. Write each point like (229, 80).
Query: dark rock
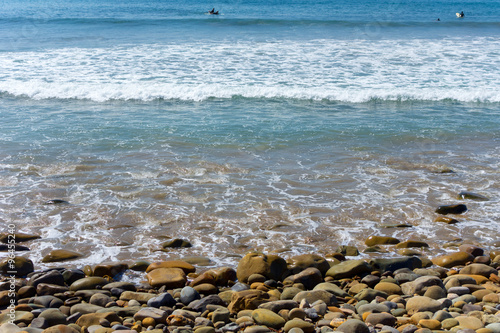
(299, 263)
(309, 277)
(20, 265)
(15, 247)
(472, 196)
(381, 240)
(50, 277)
(348, 250)
(201, 304)
(164, 299)
(71, 275)
(451, 209)
(56, 202)
(175, 243)
(61, 255)
(393, 264)
(189, 294)
(353, 326)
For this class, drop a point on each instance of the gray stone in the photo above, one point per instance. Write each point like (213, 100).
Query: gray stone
(164, 299)
(331, 288)
(353, 326)
(53, 317)
(276, 306)
(189, 294)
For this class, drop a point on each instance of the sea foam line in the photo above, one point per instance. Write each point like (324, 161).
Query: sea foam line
(349, 71)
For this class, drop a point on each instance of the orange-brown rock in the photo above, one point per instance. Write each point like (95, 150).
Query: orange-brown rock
(186, 267)
(168, 277)
(453, 259)
(381, 240)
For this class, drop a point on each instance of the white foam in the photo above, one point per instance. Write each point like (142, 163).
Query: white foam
(350, 71)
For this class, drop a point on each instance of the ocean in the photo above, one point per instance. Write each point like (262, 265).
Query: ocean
(281, 127)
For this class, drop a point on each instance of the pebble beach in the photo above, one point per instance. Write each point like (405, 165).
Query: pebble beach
(455, 292)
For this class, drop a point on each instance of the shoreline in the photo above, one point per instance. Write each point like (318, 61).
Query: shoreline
(264, 293)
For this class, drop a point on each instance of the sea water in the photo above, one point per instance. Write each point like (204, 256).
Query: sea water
(286, 127)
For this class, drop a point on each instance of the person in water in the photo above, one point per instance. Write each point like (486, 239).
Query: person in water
(461, 14)
(213, 12)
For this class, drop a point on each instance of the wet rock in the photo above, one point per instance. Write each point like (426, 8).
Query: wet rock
(393, 264)
(453, 259)
(451, 209)
(111, 270)
(19, 237)
(15, 247)
(446, 219)
(348, 250)
(349, 268)
(51, 277)
(185, 266)
(71, 275)
(465, 195)
(47, 301)
(299, 263)
(169, 277)
(411, 243)
(20, 265)
(93, 282)
(472, 249)
(369, 294)
(271, 266)
(381, 240)
(50, 289)
(61, 255)
(176, 243)
(140, 266)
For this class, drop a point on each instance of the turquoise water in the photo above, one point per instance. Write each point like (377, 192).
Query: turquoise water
(288, 127)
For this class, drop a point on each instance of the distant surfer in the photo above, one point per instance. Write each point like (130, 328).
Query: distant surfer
(213, 12)
(461, 14)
